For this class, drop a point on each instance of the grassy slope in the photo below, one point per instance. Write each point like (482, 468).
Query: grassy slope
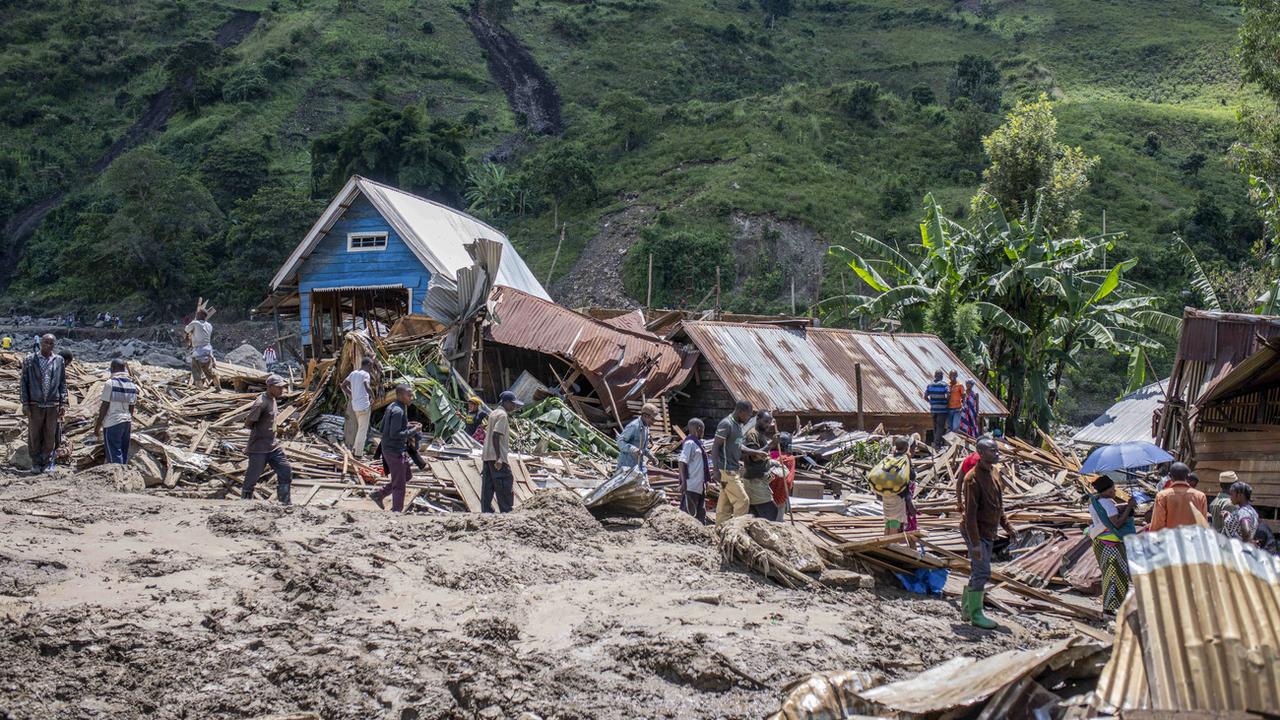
(746, 119)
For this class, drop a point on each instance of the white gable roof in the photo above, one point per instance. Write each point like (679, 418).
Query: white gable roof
(437, 235)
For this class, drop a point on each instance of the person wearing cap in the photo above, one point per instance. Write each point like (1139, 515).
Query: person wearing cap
(473, 419)
(1175, 505)
(262, 448)
(1109, 524)
(1222, 506)
(633, 443)
(497, 480)
(983, 517)
(397, 432)
(1243, 521)
(358, 387)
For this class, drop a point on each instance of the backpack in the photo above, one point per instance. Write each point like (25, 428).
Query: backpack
(891, 475)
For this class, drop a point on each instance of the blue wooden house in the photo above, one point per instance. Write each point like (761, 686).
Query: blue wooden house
(370, 258)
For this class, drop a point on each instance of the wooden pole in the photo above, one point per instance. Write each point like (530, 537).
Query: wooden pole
(857, 382)
(717, 315)
(793, 297)
(556, 258)
(648, 295)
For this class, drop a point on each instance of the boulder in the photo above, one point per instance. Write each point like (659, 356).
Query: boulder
(248, 356)
(20, 456)
(161, 359)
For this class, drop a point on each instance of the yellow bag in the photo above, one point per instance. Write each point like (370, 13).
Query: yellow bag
(891, 475)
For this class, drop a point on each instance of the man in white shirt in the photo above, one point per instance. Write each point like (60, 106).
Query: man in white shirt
(694, 469)
(200, 338)
(115, 413)
(359, 391)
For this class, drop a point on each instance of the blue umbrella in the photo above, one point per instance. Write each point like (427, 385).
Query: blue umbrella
(1123, 456)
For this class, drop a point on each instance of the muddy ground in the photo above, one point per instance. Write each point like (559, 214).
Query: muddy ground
(130, 605)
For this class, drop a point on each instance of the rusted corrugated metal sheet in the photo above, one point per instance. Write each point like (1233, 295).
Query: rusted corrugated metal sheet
(811, 370)
(619, 363)
(1129, 419)
(1221, 338)
(1201, 628)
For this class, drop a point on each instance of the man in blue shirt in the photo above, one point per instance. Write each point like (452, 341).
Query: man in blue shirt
(937, 395)
(633, 443)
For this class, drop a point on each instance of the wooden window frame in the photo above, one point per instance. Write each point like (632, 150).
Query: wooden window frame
(351, 237)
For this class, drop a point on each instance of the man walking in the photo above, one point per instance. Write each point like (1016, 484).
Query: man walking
(1175, 504)
(359, 391)
(695, 468)
(262, 448)
(498, 481)
(726, 454)
(115, 413)
(200, 338)
(938, 396)
(42, 391)
(396, 433)
(755, 448)
(1222, 506)
(633, 443)
(983, 516)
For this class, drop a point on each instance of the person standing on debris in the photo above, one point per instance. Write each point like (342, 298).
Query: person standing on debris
(781, 486)
(955, 401)
(633, 443)
(115, 413)
(938, 396)
(1175, 504)
(726, 455)
(497, 480)
(359, 391)
(6, 343)
(983, 516)
(755, 448)
(1242, 523)
(1222, 506)
(695, 468)
(262, 448)
(891, 478)
(1109, 524)
(397, 431)
(42, 391)
(473, 420)
(200, 338)
(970, 421)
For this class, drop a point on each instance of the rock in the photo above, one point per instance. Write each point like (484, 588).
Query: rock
(160, 359)
(128, 351)
(846, 579)
(248, 356)
(20, 457)
(791, 542)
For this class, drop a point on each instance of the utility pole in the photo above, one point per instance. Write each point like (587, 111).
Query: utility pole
(793, 297)
(555, 258)
(1104, 234)
(717, 316)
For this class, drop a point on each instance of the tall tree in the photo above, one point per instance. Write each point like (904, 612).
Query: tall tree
(1258, 153)
(1029, 166)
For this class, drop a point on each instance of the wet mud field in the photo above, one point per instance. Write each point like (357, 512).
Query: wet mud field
(129, 605)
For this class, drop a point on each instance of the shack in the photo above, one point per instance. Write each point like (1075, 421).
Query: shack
(1131, 418)
(810, 374)
(370, 259)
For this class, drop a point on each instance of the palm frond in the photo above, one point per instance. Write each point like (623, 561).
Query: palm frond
(1199, 279)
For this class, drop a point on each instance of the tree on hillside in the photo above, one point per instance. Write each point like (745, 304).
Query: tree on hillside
(492, 191)
(1029, 165)
(1042, 299)
(233, 171)
(156, 241)
(1258, 154)
(397, 146)
(263, 229)
(563, 173)
(630, 117)
(978, 79)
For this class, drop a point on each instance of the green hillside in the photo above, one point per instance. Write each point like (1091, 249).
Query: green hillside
(742, 133)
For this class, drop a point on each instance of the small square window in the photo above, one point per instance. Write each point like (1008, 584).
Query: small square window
(360, 242)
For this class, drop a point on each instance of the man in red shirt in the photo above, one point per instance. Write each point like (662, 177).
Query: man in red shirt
(781, 487)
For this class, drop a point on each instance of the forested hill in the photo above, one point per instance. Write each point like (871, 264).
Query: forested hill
(153, 150)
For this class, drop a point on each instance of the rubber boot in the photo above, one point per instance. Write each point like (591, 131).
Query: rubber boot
(976, 616)
(966, 605)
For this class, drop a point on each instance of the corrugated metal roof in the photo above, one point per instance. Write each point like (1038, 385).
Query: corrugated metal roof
(811, 370)
(1129, 419)
(619, 363)
(1200, 629)
(437, 235)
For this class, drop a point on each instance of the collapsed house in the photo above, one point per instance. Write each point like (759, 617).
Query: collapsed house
(1223, 406)
(372, 257)
(810, 374)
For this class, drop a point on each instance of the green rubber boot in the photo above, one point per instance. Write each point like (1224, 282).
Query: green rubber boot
(976, 616)
(966, 605)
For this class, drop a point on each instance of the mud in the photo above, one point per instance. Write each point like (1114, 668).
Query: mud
(132, 605)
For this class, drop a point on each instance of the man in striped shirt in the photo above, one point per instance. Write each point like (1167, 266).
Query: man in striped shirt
(115, 413)
(938, 396)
